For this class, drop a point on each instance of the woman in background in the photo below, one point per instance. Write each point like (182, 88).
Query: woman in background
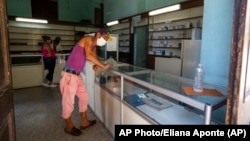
(49, 59)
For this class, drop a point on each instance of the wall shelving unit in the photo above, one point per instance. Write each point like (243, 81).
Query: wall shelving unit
(166, 31)
(125, 45)
(165, 35)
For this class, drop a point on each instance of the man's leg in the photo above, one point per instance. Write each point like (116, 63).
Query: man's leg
(69, 124)
(70, 129)
(82, 94)
(68, 89)
(85, 122)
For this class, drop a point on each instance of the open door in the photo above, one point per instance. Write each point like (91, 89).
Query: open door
(7, 126)
(140, 47)
(239, 81)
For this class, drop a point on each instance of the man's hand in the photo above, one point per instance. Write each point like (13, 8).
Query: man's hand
(107, 66)
(96, 67)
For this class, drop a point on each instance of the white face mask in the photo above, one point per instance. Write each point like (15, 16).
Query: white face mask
(101, 41)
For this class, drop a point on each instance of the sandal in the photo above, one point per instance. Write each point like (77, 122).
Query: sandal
(91, 123)
(74, 131)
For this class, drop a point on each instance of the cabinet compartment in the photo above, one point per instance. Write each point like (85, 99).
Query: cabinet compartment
(130, 116)
(107, 108)
(168, 65)
(107, 102)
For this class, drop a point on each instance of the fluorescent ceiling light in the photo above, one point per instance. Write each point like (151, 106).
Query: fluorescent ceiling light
(112, 23)
(31, 20)
(164, 10)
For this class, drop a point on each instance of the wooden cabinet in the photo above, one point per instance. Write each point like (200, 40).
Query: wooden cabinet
(150, 62)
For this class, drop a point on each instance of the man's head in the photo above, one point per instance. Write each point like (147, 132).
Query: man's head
(57, 40)
(103, 37)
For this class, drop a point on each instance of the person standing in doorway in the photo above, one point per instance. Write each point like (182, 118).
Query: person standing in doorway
(49, 60)
(72, 84)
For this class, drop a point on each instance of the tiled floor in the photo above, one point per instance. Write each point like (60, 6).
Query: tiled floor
(38, 117)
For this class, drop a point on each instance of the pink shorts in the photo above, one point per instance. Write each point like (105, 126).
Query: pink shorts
(72, 85)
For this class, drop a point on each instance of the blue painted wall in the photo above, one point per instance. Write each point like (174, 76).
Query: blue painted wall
(216, 40)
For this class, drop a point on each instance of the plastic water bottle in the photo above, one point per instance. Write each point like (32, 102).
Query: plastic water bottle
(198, 79)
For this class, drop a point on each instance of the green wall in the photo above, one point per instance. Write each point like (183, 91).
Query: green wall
(117, 9)
(68, 10)
(77, 10)
(20, 8)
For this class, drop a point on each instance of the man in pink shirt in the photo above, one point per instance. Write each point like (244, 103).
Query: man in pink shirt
(72, 84)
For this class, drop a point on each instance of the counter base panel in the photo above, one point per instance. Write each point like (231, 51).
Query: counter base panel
(107, 108)
(131, 117)
(172, 115)
(27, 76)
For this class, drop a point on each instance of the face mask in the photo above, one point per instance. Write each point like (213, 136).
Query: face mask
(101, 42)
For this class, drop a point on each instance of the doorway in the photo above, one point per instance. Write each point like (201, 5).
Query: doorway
(7, 124)
(140, 46)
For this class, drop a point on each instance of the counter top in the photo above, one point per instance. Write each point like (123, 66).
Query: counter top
(172, 85)
(34, 54)
(149, 92)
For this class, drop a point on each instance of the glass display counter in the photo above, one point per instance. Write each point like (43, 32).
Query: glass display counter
(30, 65)
(162, 98)
(24, 59)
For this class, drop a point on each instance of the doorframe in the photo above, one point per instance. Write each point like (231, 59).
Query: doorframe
(7, 121)
(238, 101)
